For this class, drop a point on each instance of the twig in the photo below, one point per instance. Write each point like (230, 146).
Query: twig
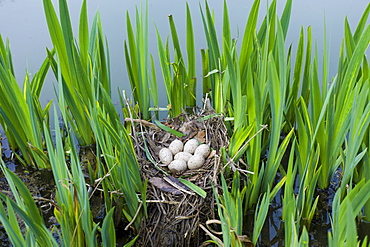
(219, 242)
(162, 201)
(184, 217)
(100, 180)
(214, 222)
(135, 216)
(38, 198)
(143, 122)
(130, 113)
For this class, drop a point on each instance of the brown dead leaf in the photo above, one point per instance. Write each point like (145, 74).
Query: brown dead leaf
(164, 186)
(161, 184)
(201, 136)
(212, 154)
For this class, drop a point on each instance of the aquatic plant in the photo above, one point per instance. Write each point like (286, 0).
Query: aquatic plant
(82, 70)
(137, 62)
(122, 184)
(73, 211)
(230, 211)
(34, 233)
(76, 226)
(21, 114)
(179, 80)
(345, 210)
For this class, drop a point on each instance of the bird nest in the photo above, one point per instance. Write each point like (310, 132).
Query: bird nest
(175, 212)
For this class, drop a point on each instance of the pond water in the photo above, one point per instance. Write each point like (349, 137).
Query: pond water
(23, 22)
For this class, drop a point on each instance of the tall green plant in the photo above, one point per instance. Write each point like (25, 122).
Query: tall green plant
(21, 114)
(230, 212)
(344, 232)
(363, 170)
(331, 113)
(72, 206)
(173, 79)
(263, 81)
(179, 79)
(292, 213)
(82, 69)
(215, 60)
(276, 83)
(73, 213)
(35, 232)
(77, 227)
(137, 61)
(359, 124)
(119, 160)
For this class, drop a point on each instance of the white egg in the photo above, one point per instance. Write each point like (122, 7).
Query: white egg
(177, 166)
(176, 146)
(191, 145)
(196, 161)
(182, 156)
(202, 150)
(165, 155)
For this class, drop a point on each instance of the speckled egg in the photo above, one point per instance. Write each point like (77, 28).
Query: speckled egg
(176, 146)
(182, 156)
(190, 146)
(196, 161)
(177, 166)
(165, 156)
(203, 150)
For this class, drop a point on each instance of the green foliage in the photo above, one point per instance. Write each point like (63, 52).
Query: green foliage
(260, 216)
(21, 114)
(230, 211)
(82, 70)
(345, 210)
(108, 232)
(119, 166)
(72, 206)
(179, 79)
(137, 62)
(35, 233)
(168, 129)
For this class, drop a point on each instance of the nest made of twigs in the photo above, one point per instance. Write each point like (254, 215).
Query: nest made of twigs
(175, 211)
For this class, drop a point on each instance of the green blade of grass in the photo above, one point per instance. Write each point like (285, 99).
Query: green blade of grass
(168, 129)
(193, 187)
